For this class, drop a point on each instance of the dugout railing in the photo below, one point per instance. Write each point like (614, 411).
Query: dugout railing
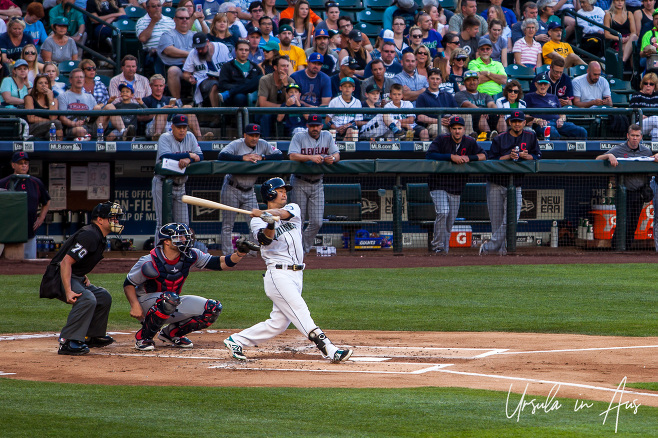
(558, 196)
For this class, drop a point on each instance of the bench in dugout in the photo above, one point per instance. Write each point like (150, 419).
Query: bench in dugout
(420, 208)
(342, 208)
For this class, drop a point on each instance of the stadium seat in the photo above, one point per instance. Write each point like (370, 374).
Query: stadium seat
(316, 5)
(169, 12)
(369, 16)
(448, 4)
(104, 79)
(379, 5)
(282, 4)
(619, 100)
(370, 29)
(577, 70)
(354, 5)
(135, 13)
(525, 85)
(543, 68)
(65, 67)
(516, 71)
(129, 42)
(620, 86)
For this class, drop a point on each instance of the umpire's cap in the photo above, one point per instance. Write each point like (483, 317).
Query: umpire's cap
(456, 120)
(268, 188)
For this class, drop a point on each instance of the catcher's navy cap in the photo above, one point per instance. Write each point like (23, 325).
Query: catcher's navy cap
(456, 120)
(252, 129)
(517, 115)
(314, 119)
(179, 120)
(18, 156)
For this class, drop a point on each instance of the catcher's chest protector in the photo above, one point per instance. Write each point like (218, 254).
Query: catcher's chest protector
(165, 275)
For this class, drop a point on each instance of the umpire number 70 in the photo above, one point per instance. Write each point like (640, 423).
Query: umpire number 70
(80, 250)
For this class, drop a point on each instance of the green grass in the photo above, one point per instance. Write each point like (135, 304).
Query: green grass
(651, 386)
(57, 410)
(586, 299)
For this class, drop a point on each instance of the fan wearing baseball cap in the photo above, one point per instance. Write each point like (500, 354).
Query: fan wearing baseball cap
(556, 49)
(180, 145)
(504, 147)
(446, 189)
(202, 67)
(355, 49)
(293, 123)
(296, 54)
(491, 74)
(558, 123)
(314, 84)
(472, 98)
(321, 46)
(37, 195)
(346, 125)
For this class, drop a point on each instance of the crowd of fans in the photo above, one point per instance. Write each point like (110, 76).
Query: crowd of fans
(248, 53)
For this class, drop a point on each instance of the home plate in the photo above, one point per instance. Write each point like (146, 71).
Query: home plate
(368, 359)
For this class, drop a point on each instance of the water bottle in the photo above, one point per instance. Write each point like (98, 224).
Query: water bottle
(554, 235)
(517, 150)
(53, 132)
(547, 133)
(99, 132)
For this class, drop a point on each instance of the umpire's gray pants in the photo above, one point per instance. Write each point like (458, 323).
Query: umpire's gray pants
(446, 206)
(190, 305)
(180, 211)
(310, 198)
(89, 314)
(497, 206)
(239, 199)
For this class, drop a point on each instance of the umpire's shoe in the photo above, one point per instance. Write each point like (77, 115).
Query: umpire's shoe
(236, 349)
(99, 341)
(72, 347)
(341, 355)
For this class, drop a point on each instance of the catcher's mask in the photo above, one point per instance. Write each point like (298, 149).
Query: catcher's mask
(268, 188)
(180, 236)
(109, 210)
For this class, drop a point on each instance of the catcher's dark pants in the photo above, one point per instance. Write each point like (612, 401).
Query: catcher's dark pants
(89, 314)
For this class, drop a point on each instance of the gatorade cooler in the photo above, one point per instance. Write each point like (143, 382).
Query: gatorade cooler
(605, 222)
(461, 236)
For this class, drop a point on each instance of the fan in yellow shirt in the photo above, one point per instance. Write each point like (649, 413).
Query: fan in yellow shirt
(296, 54)
(555, 48)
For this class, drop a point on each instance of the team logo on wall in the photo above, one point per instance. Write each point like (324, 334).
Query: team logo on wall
(203, 214)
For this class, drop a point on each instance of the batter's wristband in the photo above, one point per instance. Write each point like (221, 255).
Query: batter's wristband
(473, 158)
(270, 226)
(230, 263)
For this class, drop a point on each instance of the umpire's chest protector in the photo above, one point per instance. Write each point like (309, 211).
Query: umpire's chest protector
(167, 275)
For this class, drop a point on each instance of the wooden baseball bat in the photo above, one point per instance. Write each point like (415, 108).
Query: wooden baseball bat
(193, 200)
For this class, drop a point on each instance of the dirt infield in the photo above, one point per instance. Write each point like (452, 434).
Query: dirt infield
(573, 366)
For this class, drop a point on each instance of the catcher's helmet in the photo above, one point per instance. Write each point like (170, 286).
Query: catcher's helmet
(268, 188)
(109, 210)
(180, 235)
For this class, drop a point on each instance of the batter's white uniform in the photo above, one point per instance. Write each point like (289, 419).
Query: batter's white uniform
(282, 285)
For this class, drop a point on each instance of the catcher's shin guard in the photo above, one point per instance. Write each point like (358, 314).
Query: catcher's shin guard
(210, 314)
(156, 316)
(320, 339)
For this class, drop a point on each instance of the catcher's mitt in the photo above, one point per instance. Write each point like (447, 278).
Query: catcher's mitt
(244, 245)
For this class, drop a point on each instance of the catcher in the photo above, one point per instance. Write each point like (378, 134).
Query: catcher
(153, 287)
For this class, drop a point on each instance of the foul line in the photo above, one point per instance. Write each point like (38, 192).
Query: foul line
(573, 350)
(421, 371)
(551, 382)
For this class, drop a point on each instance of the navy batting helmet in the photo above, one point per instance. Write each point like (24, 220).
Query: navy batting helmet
(268, 188)
(180, 235)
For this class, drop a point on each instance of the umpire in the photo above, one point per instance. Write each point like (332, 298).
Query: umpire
(313, 146)
(66, 279)
(446, 190)
(238, 190)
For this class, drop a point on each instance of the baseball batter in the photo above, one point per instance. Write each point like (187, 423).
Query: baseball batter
(504, 147)
(181, 145)
(153, 288)
(238, 190)
(281, 248)
(312, 147)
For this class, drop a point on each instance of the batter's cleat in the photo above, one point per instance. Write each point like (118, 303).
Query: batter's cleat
(180, 342)
(73, 348)
(145, 345)
(236, 349)
(99, 341)
(341, 355)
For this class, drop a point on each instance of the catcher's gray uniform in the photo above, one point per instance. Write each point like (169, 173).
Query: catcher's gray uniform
(308, 190)
(168, 147)
(238, 190)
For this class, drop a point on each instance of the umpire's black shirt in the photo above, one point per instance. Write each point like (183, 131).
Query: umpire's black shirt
(86, 247)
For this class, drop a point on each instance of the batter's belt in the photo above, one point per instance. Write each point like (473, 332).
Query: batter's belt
(290, 267)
